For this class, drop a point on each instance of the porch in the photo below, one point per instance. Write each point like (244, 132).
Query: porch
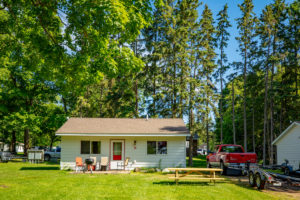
(103, 172)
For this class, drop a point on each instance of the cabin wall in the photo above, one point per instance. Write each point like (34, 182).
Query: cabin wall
(288, 147)
(175, 157)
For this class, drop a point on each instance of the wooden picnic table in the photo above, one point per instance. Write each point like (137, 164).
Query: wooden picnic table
(200, 176)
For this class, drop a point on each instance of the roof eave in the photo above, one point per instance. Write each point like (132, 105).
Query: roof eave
(284, 132)
(125, 134)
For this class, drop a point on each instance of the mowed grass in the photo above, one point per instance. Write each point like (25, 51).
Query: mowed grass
(45, 181)
(199, 161)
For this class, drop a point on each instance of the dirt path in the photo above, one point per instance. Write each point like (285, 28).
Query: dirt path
(284, 191)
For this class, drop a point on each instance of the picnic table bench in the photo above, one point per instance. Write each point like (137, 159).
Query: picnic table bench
(200, 176)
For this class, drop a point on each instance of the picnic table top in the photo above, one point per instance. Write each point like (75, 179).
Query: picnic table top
(196, 169)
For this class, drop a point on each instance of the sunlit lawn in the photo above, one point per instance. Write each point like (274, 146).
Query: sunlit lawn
(46, 181)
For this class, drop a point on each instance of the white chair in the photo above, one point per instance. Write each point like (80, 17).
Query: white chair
(123, 164)
(104, 163)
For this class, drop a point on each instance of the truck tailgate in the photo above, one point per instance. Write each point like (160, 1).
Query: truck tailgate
(241, 157)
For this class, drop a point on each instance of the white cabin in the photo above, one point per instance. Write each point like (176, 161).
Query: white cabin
(288, 145)
(146, 142)
(6, 147)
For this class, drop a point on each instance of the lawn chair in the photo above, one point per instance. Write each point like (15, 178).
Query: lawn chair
(123, 164)
(104, 163)
(79, 164)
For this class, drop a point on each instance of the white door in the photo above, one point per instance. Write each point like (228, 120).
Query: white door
(117, 153)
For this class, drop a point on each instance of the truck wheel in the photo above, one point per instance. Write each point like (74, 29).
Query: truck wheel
(208, 164)
(286, 171)
(222, 166)
(260, 184)
(47, 157)
(252, 179)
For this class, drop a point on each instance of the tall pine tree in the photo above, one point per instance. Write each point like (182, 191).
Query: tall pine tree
(207, 62)
(246, 26)
(222, 42)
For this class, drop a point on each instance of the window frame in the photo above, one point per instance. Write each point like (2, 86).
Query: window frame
(99, 148)
(89, 142)
(90, 147)
(157, 151)
(154, 150)
(156, 147)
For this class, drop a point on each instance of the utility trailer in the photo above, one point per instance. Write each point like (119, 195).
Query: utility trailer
(6, 156)
(259, 177)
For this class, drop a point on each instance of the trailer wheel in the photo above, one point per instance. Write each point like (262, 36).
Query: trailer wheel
(252, 179)
(47, 157)
(260, 184)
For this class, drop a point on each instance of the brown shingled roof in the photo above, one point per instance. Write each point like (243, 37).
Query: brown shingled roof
(123, 126)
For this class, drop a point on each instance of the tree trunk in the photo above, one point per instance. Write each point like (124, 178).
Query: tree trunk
(207, 114)
(233, 116)
(136, 99)
(191, 123)
(271, 105)
(181, 98)
(221, 99)
(253, 130)
(191, 150)
(154, 95)
(13, 142)
(65, 105)
(26, 141)
(100, 100)
(136, 84)
(207, 136)
(51, 142)
(221, 110)
(265, 114)
(244, 102)
(174, 93)
(281, 118)
(271, 124)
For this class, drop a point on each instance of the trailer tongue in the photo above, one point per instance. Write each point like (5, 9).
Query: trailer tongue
(292, 180)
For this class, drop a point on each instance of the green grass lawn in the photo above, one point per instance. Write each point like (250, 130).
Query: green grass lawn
(45, 181)
(199, 161)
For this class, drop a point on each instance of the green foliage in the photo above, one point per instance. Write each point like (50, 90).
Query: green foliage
(275, 66)
(51, 53)
(126, 58)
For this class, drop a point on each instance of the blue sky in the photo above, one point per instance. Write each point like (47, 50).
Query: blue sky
(233, 13)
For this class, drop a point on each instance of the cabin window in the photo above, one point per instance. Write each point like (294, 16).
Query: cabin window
(156, 147)
(151, 147)
(162, 147)
(96, 147)
(85, 147)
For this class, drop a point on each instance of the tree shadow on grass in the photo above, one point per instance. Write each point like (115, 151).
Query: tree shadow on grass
(39, 168)
(184, 183)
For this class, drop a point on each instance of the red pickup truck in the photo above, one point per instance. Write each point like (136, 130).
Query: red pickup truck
(230, 156)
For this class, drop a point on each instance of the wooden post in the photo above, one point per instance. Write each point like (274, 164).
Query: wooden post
(214, 177)
(176, 176)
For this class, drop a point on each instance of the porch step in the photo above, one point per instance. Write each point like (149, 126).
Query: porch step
(102, 172)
